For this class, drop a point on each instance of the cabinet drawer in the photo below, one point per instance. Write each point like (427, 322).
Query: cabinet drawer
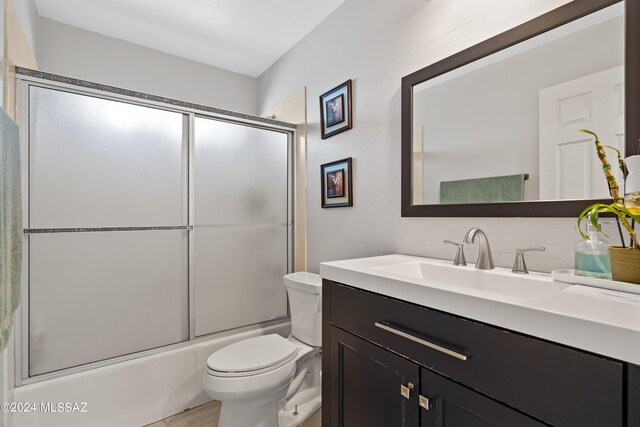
(558, 385)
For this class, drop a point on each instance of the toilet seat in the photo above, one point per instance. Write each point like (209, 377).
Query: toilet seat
(253, 356)
(271, 385)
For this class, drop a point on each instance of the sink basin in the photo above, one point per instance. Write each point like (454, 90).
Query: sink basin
(498, 281)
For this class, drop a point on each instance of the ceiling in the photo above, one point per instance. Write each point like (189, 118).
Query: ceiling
(244, 36)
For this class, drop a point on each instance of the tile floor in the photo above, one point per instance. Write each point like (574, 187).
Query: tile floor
(207, 416)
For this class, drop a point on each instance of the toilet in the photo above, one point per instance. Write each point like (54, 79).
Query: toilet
(271, 381)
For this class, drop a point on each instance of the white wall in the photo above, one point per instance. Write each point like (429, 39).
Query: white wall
(28, 16)
(74, 52)
(376, 43)
(7, 381)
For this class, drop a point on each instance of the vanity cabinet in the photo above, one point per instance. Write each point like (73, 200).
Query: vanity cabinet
(375, 387)
(391, 363)
(368, 383)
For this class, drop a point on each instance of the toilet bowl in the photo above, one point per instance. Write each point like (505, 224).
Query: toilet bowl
(269, 380)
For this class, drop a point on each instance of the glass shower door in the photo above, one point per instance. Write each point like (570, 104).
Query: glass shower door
(108, 242)
(241, 225)
(147, 226)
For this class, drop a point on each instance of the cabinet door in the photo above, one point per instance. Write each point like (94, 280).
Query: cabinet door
(366, 381)
(453, 405)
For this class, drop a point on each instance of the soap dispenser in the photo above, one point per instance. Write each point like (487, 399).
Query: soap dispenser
(592, 255)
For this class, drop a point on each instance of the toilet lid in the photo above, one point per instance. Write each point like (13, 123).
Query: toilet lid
(253, 354)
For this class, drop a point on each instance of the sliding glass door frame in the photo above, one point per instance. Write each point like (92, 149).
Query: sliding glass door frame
(190, 112)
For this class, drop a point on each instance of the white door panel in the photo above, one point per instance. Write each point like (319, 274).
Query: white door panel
(569, 165)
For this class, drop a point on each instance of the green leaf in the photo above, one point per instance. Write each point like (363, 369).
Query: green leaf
(593, 217)
(613, 148)
(621, 164)
(589, 132)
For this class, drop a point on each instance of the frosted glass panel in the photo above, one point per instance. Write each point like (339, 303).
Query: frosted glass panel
(239, 276)
(241, 174)
(98, 295)
(240, 225)
(96, 162)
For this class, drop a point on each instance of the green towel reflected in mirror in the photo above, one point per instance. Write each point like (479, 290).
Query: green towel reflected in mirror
(508, 188)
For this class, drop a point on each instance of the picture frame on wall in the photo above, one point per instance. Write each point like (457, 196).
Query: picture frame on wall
(336, 184)
(335, 110)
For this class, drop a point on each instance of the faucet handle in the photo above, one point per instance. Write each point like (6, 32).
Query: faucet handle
(459, 259)
(519, 266)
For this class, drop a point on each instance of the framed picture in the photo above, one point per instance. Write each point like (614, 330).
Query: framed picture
(335, 184)
(337, 190)
(335, 110)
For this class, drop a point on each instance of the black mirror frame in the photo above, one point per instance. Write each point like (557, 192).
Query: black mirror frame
(562, 208)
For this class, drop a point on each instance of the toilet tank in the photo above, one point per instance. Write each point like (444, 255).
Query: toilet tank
(305, 302)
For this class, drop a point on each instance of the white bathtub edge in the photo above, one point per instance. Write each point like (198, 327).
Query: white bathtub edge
(131, 393)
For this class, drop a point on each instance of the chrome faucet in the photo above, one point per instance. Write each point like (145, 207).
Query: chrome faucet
(519, 266)
(459, 259)
(485, 260)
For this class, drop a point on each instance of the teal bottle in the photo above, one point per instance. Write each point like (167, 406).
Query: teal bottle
(592, 255)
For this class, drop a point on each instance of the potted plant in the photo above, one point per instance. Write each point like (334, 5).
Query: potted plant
(625, 261)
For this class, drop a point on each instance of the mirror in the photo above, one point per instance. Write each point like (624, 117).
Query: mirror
(493, 130)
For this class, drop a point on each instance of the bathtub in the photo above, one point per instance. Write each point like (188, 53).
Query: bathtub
(130, 393)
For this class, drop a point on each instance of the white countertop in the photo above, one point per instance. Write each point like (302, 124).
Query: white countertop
(601, 321)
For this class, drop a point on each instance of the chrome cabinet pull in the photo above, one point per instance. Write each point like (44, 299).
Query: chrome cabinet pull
(405, 391)
(424, 402)
(396, 331)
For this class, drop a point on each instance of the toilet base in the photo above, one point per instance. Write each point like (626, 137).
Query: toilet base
(257, 412)
(302, 402)
(300, 408)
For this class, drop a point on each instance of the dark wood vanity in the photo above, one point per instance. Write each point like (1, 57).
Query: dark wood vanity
(388, 362)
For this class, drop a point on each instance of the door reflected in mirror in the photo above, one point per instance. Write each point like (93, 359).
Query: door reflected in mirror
(504, 128)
